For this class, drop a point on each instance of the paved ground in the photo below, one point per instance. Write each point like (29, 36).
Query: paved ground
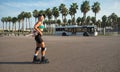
(66, 54)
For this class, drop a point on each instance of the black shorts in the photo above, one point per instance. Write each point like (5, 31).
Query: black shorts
(38, 38)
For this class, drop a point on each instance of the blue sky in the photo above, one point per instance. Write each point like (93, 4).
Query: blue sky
(14, 7)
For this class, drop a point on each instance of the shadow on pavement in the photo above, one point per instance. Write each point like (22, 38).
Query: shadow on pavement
(16, 63)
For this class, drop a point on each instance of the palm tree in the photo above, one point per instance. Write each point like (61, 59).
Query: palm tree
(61, 7)
(114, 20)
(69, 21)
(19, 21)
(73, 10)
(55, 12)
(9, 20)
(98, 23)
(41, 12)
(65, 21)
(35, 14)
(118, 21)
(58, 21)
(109, 21)
(49, 14)
(63, 10)
(6, 22)
(14, 20)
(78, 20)
(96, 8)
(93, 20)
(88, 20)
(85, 7)
(71, 13)
(82, 20)
(3, 20)
(23, 17)
(73, 21)
(26, 15)
(29, 16)
(104, 20)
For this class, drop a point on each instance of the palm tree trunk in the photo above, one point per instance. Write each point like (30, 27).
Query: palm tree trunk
(22, 25)
(6, 25)
(84, 14)
(3, 27)
(26, 24)
(62, 17)
(71, 18)
(74, 19)
(55, 20)
(15, 29)
(12, 27)
(74, 15)
(19, 29)
(9, 28)
(95, 16)
(85, 18)
(50, 26)
(29, 24)
(65, 18)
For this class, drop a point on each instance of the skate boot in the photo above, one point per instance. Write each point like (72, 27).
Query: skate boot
(44, 60)
(36, 60)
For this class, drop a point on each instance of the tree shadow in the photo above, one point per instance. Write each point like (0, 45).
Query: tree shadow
(16, 63)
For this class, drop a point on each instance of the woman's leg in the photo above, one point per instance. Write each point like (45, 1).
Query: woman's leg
(38, 45)
(43, 49)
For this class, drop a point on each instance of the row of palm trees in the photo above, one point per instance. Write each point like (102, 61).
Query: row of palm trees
(64, 11)
(20, 19)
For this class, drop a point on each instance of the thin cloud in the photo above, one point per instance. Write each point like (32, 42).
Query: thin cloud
(43, 4)
(22, 4)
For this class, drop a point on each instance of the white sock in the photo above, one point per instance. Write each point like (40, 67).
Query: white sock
(35, 55)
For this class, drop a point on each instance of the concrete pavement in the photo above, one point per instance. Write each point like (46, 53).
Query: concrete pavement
(66, 54)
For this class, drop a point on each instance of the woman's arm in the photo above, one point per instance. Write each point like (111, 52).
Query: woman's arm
(36, 27)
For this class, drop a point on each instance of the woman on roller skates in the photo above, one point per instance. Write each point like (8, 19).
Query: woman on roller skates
(40, 45)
